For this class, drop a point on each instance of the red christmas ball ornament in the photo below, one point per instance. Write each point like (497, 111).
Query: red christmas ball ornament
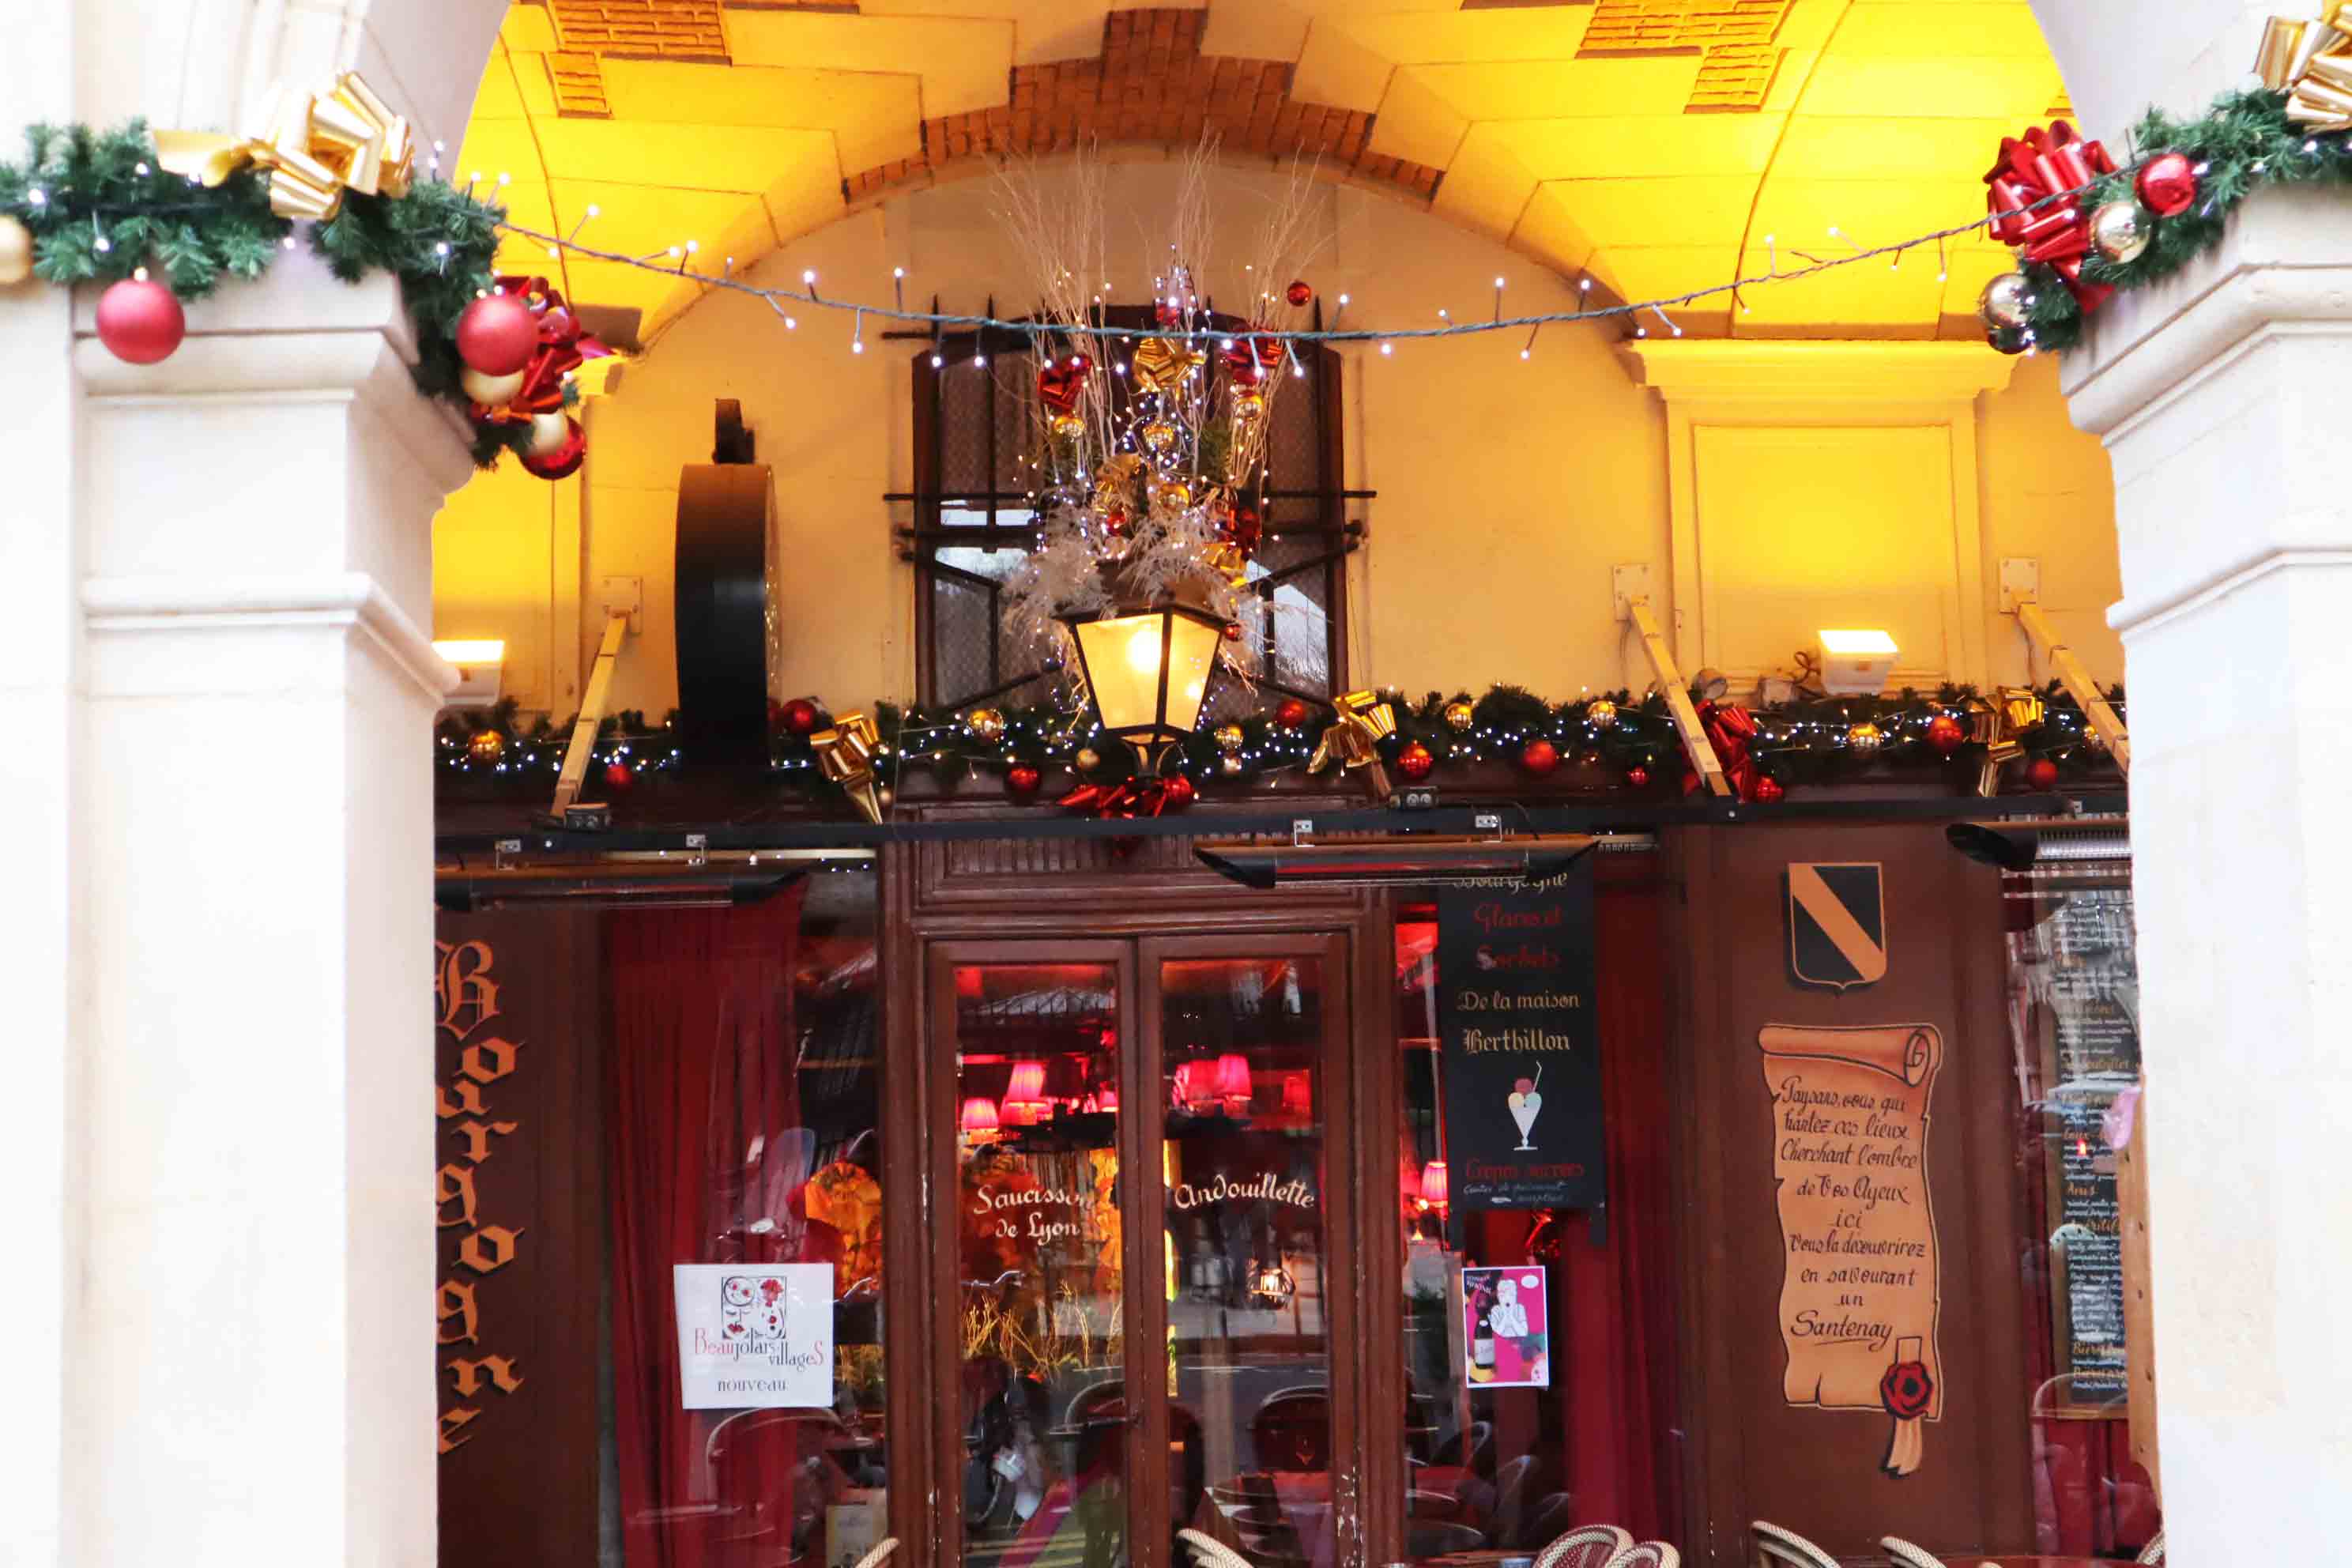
(565, 460)
(1166, 314)
(619, 777)
(2042, 773)
(1021, 780)
(2168, 184)
(1233, 631)
(1946, 733)
(140, 320)
(800, 716)
(1299, 293)
(1414, 762)
(1177, 792)
(1637, 777)
(1291, 714)
(1768, 789)
(497, 334)
(1539, 758)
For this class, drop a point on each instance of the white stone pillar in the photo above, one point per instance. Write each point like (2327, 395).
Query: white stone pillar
(249, 1339)
(2218, 396)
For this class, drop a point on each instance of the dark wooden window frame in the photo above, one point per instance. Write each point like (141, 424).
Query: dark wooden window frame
(921, 542)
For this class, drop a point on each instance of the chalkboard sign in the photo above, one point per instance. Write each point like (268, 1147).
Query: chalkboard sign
(2086, 982)
(1519, 1045)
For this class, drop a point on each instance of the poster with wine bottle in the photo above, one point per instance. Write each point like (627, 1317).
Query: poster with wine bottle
(1505, 1324)
(1519, 1045)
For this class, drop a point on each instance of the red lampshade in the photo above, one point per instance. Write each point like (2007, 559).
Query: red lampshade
(1028, 1081)
(1107, 1100)
(979, 1116)
(1432, 1182)
(1233, 1075)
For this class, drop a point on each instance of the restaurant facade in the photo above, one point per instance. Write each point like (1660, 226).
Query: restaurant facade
(1604, 964)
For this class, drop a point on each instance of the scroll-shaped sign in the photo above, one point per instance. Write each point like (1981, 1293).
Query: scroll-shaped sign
(754, 1335)
(1859, 1296)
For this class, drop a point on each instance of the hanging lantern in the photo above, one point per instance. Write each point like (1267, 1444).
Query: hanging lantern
(1147, 672)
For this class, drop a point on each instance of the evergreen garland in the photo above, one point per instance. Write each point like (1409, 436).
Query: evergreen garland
(99, 206)
(2243, 142)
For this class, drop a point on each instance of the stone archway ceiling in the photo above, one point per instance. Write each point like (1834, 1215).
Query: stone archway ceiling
(1658, 146)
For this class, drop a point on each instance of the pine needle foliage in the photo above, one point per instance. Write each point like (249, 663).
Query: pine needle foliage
(99, 206)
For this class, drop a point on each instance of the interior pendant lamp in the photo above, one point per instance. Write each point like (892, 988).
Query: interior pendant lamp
(1147, 671)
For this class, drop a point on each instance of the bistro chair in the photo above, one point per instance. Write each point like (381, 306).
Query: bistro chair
(1779, 1548)
(879, 1554)
(1432, 1505)
(1591, 1546)
(2154, 1550)
(1209, 1553)
(1906, 1555)
(1648, 1554)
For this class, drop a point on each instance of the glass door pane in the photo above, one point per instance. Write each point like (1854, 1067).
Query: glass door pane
(1039, 1330)
(1251, 1435)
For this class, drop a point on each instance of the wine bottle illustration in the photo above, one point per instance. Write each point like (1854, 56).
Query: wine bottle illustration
(1525, 1102)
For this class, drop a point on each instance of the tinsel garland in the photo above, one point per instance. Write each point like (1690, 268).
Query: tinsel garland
(2243, 142)
(1807, 742)
(99, 206)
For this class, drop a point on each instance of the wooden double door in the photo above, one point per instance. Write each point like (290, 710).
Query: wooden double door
(1149, 1261)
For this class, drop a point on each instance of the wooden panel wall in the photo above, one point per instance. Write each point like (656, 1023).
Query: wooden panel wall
(1752, 1456)
(519, 1367)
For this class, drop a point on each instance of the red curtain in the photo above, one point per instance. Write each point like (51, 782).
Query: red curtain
(703, 1118)
(1614, 1353)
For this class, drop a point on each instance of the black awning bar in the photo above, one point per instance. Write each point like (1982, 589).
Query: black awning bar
(1277, 817)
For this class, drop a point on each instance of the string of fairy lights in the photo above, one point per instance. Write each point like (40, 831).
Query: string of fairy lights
(684, 260)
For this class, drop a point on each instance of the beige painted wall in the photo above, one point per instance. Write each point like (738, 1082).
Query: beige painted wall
(1508, 487)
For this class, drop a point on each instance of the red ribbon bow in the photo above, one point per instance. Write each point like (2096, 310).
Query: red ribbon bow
(1131, 797)
(1730, 730)
(562, 348)
(2043, 164)
(1060, 382)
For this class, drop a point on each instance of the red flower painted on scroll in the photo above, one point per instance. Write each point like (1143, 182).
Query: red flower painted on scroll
(1906, 1390)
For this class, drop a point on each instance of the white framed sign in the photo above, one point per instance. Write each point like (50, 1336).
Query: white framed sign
(754, 1336)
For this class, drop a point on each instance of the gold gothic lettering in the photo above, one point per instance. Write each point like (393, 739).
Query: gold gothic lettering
(465, 998)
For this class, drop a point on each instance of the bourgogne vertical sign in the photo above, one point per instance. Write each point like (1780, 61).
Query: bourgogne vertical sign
(1519, 1042)
(1858, 1288)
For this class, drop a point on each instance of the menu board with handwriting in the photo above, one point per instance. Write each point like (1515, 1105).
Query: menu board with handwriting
(1520, 1046)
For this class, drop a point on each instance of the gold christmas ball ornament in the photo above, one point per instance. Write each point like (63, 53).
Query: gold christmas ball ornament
(1459, 716)
(1231, 766)
(1172, 495)
(1088, 760)
(1067, 426)
(2003, 301)
(987, 723)
(1865, 738)
(1600, 713)
(1248, 407)
(1229, 738)
(548, 435)
(2093, 742)
(15, 250)
(2121, 230)
(1159, 435)
(491, 391)
(486, 746)
(884, 795)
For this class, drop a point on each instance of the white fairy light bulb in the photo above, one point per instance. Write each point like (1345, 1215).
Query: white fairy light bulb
(808, 275)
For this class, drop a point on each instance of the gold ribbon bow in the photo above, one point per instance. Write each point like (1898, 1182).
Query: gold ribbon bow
(2311, 63)
(847, 753)
(1161, 364)
(1998, 730)
(1363, 720)
(318, 145)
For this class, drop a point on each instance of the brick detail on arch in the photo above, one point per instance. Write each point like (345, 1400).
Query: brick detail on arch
(1151, 84)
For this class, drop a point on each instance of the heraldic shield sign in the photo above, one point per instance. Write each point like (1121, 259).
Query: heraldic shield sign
(1837, 923)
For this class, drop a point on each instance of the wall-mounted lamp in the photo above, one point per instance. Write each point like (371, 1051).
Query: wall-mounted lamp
(1856, 663)
(1433, 1184)
(481, 664)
